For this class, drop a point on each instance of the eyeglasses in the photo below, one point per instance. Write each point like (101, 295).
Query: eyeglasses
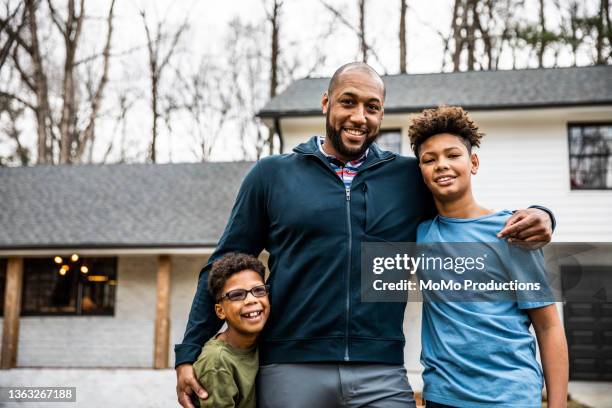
(241, 294)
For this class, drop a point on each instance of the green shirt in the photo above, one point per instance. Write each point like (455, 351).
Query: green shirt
(227, 374)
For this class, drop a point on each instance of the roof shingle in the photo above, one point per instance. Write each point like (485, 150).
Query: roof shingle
(136, 205)
(473, 90)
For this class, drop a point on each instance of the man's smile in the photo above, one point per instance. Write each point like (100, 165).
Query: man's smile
(355, 134)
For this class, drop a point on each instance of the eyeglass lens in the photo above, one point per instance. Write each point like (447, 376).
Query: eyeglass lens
(241, 294)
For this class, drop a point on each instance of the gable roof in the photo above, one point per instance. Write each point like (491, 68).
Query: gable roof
(114, 206)
(475, 90)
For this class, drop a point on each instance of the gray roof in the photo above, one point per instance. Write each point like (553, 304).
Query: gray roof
(108, 206)
(475, 90)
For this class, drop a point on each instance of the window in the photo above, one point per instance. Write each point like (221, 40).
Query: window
(590, 155)
(2, 284)
(69, 286)
(390, 140)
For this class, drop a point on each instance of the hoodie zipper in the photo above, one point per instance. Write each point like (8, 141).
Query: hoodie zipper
(348, 273)
(365, 206)
(347, 191)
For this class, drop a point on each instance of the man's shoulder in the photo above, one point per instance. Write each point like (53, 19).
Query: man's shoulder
(406, 161)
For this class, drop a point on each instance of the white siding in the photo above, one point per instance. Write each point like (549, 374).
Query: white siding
(524, 161)
(185, 272)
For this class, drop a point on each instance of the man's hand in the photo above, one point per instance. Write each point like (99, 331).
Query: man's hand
(531, 226)
(187, 384)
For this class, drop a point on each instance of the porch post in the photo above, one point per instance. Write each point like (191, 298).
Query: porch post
(12, 308)
(162, 313)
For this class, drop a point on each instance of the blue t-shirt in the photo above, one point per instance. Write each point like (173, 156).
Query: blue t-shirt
(479, 354)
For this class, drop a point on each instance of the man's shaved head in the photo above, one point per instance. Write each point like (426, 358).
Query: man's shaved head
(353, 66)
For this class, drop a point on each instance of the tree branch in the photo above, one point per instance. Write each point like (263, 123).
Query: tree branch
(9, 95)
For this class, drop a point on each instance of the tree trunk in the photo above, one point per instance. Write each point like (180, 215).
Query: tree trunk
(469, 15)
(456, 33)
(40, 87)
(362, 34)
(402, 36)
(155, 112)
(599, 42)
(542, 42)
(72, 31)
(275, 23)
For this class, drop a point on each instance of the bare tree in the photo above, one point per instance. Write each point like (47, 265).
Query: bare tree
(71, 129)
(274, 19)
(402, 36)
(207, 104)
(365, 47)
(10, 28)
(158, 63)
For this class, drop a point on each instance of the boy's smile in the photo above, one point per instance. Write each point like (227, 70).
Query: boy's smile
(445, 180)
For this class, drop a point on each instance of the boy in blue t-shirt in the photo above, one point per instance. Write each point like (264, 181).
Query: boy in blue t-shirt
(480, 353)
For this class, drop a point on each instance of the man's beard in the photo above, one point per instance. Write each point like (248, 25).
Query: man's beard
(334, 137)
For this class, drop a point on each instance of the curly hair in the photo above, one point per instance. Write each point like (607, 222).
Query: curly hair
(230, 264)
(443, 119)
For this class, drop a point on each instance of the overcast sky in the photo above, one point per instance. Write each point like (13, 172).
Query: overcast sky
(303, 22)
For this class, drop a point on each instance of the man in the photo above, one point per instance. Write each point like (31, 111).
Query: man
(311, 210)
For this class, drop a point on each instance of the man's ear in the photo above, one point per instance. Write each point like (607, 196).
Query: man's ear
(219, 311)
(475, 163)
(324, 102)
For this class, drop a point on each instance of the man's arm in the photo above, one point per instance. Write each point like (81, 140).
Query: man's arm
(553, 352)
(246, 231)
(532, 225)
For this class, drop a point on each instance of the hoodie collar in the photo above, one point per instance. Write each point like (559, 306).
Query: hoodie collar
(311, 148)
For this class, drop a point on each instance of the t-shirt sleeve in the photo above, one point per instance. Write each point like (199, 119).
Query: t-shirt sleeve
(221, 387)
(528, 268)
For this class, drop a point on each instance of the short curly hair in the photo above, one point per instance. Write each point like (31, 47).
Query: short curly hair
(443, 119)
(230, 264)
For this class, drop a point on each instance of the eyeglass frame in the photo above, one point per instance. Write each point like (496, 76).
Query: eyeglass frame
(246, 293)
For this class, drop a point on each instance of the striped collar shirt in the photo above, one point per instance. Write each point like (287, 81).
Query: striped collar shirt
(346, 171)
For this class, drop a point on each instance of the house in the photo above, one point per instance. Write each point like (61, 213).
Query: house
(98, 264)
(548, 141)
(101, 262)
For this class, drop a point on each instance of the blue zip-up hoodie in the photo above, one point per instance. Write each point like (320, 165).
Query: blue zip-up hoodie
(297, 208)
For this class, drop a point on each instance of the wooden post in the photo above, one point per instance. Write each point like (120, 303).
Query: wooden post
(12, 308)
(162, 313)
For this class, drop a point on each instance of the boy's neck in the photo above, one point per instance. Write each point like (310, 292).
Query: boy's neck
(463, 207)
(238, 340)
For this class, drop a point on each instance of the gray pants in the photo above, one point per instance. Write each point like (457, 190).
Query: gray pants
(331, 385)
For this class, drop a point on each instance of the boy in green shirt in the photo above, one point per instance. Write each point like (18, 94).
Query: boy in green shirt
(228, 363)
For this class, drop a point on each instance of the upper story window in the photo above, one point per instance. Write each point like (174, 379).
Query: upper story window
(590, 156)
(391, 140)
(69, 285)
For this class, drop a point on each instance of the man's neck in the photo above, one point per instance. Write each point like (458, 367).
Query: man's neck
(329, 149)
(464, 207)
(238, 340)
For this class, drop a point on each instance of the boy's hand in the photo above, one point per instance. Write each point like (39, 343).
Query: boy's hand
(531, 226)
(187, 384)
